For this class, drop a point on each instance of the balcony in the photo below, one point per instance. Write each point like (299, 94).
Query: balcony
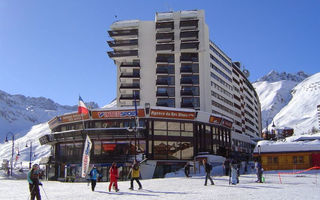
(162, 93)
(186, 69)
(129, 85)
(165, 25)
(186, 93)
(122, 43)
(162, 70)
(162, 82)
(189, 24)
(189, 35)
(186, 81)
(131, 33)
(189, 45)
(130, 75)
(165, 59)
(189, 57)
(129, 96)
(165, 47)
(130, 64)
(126, 53)
(187, 105)
(164, 104)
(165, 36)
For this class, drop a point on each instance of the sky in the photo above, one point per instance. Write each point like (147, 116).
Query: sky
(57, 49)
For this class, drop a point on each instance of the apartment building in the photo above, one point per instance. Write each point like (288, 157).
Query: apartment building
(171, 62)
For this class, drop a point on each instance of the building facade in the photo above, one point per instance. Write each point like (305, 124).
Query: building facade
(172, 62)
(192, 99)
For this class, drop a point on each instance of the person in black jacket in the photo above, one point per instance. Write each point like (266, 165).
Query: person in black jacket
(208, 169)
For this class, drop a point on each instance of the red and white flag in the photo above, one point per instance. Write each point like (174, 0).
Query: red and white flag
(82, 108)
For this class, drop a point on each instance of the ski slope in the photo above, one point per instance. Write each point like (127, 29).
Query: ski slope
(303, 186)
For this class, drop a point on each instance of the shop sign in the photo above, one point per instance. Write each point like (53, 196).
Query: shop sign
(227, 123)
(215, 120)
(117, 114)
(172, 114)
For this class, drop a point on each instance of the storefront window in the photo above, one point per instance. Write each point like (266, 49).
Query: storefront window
(173, 133)
(162, 125)
(97, 148)
(159, 132)
(160, 150)
(186, 150)
(174, 150)
(173, 126)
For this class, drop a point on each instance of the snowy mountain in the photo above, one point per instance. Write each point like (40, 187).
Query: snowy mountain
(18, 113)
(289, 100)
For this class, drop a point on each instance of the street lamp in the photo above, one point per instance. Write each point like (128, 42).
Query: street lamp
(12, 151)
(30, 141)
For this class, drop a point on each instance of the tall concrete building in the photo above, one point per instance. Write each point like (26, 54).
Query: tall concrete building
(172, 62)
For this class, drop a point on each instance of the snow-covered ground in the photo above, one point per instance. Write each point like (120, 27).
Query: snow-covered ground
(303, 186)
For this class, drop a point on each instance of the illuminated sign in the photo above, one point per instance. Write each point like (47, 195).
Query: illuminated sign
(117, 114)
(215, 120)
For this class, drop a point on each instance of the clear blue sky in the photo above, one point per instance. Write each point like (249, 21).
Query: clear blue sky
(57, 49)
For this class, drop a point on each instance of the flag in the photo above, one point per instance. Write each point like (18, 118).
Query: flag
(86, 157)
(82, 108)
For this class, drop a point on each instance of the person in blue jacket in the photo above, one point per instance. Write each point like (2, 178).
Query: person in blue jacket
(94, 174)
(33, 179)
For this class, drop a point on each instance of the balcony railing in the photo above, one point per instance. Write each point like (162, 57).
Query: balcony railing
(162, 70)
(186, 93)
(189, 34)
(118, 33)
(186, 69)
(187, 105)
(129, 85)
(162, 82)
(162, 93)
(129, 96)
(114, 54)
(190, 45)
(121, 43)
(165, 59)
(164, 36)
(163, 47)
(186, 81)
(189, 24)
(162, 104)
(164, 25)
(189, 59)
(130, 64)
(130, 75)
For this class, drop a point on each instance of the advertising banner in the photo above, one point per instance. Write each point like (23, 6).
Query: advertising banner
(86, 157)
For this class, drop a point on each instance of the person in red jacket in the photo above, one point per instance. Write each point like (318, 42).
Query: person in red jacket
(113, 173)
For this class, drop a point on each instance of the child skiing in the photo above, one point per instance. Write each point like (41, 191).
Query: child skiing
(113, 172)
(93, 177)
(135, 174)
(33, 179)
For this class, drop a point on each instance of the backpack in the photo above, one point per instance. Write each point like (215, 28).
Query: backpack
(209, 167)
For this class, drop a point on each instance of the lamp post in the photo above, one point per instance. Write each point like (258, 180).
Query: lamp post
(30, 161)
(12, 151)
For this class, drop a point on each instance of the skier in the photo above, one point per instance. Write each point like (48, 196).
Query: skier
(258, 167)
(93, 177)
(33, 179)
(113, 173)
(187, 169)
(208, 169)
(234, 173)
(135, 174)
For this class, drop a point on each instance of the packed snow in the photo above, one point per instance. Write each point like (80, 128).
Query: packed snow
(302, 186)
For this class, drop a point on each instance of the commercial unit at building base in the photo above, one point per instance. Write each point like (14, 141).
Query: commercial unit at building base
(166, 137)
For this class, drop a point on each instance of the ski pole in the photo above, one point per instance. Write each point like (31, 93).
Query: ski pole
(29, 197)
(44, 192)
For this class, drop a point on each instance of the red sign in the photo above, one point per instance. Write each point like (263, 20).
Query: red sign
(172, 114)
(215, 120)
(227, 123)
(108, 147)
